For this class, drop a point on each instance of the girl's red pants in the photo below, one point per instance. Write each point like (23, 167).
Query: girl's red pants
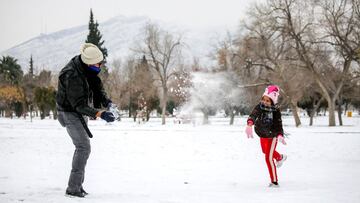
(268, 146)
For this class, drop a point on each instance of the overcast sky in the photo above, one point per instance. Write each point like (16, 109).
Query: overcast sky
(22, 20)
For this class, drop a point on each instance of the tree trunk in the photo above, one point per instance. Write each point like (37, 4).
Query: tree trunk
(347, 64)
(232, 116)
(295, 114)
(312, 117)
(130, 111)
(164, 101)
(31, 112)
(163, 115)
(332, 114)
(330, 101)
(42, 113)
(315, 110)
(134, 117)
(312, 113)
(25, 110)
(55, 114)
(346, 108)
(8, 113)
(206, 117)
(148, 116)
(339, 114)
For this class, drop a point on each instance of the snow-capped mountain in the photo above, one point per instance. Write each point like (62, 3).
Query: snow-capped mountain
(53, 51)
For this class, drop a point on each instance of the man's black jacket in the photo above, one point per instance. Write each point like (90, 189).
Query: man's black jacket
(77, 86)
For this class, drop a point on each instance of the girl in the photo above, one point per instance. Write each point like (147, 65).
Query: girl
(266, 117)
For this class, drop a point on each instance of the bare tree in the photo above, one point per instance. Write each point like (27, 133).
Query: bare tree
(163, 51)
(144, 88)
(341, 23)
(271, 51)
(115, 83)
(297, 20)
(180, 85)
(129, 87)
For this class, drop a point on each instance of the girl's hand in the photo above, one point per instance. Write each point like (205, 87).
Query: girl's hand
(249, 131)
(281, 139)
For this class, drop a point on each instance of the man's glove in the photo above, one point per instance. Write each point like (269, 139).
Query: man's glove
(249, 131)
(107, 116)
(114, 110)
(110, 104)
(281, 139)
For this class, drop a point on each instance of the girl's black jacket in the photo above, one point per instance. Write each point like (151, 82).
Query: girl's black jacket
(267, 120)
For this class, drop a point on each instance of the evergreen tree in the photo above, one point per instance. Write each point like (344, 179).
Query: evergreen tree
(10, 71)
(95, 36)
(28, 85)
(45, 100)
(31, 70)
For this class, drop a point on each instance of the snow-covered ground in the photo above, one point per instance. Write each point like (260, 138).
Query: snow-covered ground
(176, 163)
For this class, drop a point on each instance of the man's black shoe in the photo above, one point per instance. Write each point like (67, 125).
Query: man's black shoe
(83, 191)
(75, 194)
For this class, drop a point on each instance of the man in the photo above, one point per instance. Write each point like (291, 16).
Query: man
(78, 84)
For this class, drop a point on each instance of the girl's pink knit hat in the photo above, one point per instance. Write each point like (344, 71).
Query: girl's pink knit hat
(273, 92)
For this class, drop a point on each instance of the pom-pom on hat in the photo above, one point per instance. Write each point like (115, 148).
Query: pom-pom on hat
(91, 54)
(273, 92)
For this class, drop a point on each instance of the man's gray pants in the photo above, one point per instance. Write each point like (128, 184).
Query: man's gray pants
(81, 140)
